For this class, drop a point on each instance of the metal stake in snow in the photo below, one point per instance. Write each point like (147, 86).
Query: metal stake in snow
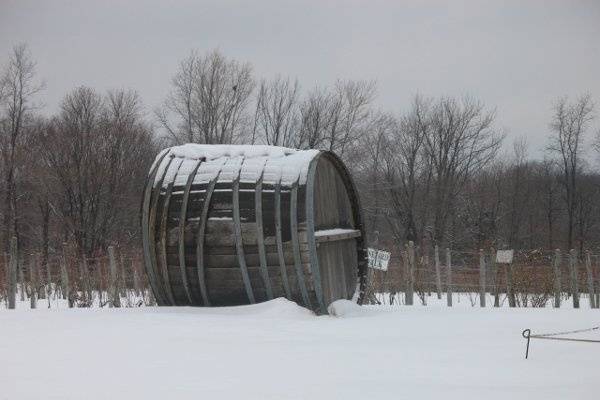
(554, 336)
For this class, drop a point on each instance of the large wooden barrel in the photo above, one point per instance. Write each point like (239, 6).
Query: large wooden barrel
(230, 225)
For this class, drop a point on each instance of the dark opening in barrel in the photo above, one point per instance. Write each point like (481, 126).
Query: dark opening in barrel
(230, 225)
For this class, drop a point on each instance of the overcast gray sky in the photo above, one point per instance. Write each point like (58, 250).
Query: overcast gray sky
(516, 56)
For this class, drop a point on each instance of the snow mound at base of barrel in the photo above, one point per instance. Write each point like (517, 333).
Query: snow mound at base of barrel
(345, 308)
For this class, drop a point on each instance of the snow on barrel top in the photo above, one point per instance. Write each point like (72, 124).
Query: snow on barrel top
(246, 161)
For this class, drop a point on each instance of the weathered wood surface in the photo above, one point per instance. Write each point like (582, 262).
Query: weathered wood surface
(238, 241)
(181, 232)
(146, 239)
(260, 240)
(296, 244)
(200, 264)
(279, 240)
(162, 243)
(335, 236)
(151, 264)
(220, 241)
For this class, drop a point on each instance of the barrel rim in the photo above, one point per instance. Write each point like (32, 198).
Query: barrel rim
(356, 213)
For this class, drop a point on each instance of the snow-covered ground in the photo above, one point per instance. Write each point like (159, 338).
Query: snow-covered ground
(277, 350)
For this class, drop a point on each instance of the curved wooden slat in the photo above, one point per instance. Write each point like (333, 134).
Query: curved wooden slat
(264, 271)
(310, 233)
(296, 243)
(161, 299)
(282, 266)
(145, 228)
(182, 222)
(200, 238)
(163, 238)
(239, 246)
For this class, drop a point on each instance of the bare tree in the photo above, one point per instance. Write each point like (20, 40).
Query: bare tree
(354, 100)
(276, 117)
(208, 100)
(517, 190)
(459, 140)
(316, 111)
(569, 125)
(406, 170)
(97, 152)
(368, 169)
(333, 119)
(549, 188)
(18, 88)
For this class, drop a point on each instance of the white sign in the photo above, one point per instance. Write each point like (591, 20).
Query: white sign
(378, 259)
(504, 256)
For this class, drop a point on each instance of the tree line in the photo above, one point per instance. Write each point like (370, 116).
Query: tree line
(435, 173)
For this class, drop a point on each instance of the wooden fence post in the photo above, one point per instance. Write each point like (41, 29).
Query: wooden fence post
(85, 277)
(590, 279)
(410, 275)
(113, 290)
(426, 268)
(574, 277)
(509, 286)
(33, 282)
(64, 276)
(122, 276)
(12, 274)
(137, 287)
(22, 286)
(49, 281)
(98, 279)
(482, 288)
(41, 288)
(438, 278)
(494, 270)
(448, 277)
(557, 279)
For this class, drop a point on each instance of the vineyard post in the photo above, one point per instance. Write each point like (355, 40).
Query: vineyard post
(509, 286)
(590, 279)
(574, 277)
(494, 269)
(64, 275)
(32, 282)
(410, 274)
(12, 274)
(438, 278)
(22, 286)
(114, 285)
(482, 288)
(41, 288)
(448, 277)
(557, 284)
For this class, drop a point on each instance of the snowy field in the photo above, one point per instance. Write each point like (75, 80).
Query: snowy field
(277, 350)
